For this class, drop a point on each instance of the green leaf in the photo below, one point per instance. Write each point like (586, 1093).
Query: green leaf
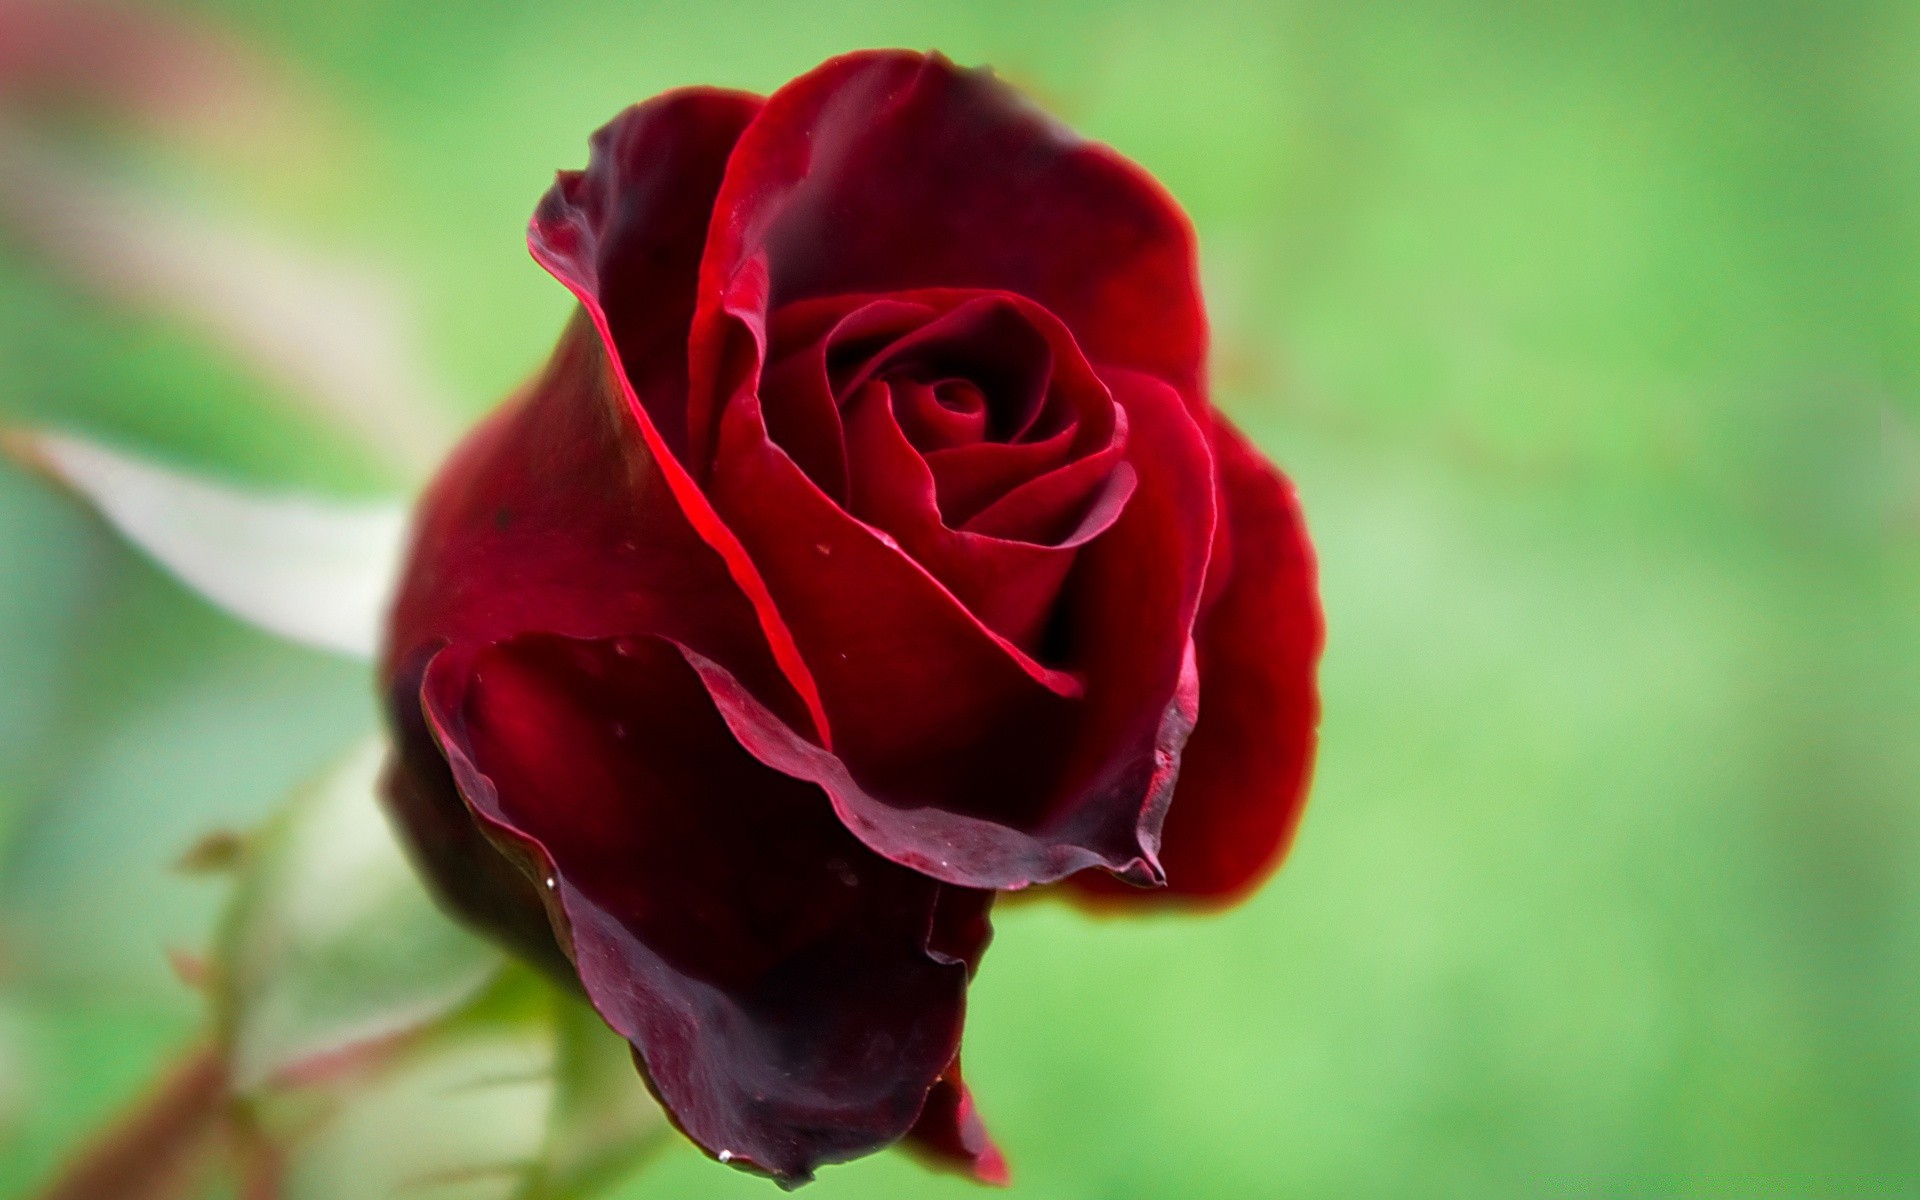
(384, 1051)
(313, 571)
(459, 1114)
(523, 1094)
(331, 942)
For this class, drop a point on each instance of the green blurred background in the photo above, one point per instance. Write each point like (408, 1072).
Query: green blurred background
(1591, 335)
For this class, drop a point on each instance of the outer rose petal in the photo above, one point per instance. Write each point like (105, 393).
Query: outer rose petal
(490, 886)
(951, 1134)
(792, 998)
(552, 517)
(633, 224)
(888, 171)
(609, 234)
(1243, 780)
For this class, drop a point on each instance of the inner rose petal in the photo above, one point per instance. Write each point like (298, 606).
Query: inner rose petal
(935, 416)
(970, 479)
(986, 388)
(1009, 585)
(986, 341)
(918, 414)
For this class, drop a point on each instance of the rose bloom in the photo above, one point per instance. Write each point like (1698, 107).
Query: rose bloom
(868, 547)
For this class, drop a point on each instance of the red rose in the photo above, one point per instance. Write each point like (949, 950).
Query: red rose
(868, 546)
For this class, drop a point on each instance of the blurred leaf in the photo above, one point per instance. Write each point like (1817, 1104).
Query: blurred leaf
(353, 1008)
(457, 1116)
(332, 943)
(316, 572)
(523, 1094)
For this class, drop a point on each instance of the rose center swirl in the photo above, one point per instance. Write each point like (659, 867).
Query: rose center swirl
(965, 425)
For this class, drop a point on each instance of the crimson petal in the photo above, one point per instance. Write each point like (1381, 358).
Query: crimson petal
(950, 1133)
(1243, 780)
(791, 997)
(553, 517)
(650, 177)
(955, 762)
(889, 171)
(630, 227)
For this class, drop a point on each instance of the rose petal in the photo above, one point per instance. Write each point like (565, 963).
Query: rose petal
(777, 980)
(950, 1133)
(1009, 585)
(553, 517)
(488, 885)
(937, 416)
(1000, 344)
(611, 217)
(1243, 779)
(630, 228)
(1028, 403)
(950, 762)
(971, 479)
(1128, 619)
(887, 170)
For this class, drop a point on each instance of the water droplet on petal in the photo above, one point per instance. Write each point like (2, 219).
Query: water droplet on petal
(725, 1156)
(823, 548)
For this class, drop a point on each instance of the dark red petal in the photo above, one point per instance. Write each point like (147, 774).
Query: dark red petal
(885, 171)
(987, 387)
(873, 621)
(937, 416)
(805, 422)
(950, 1133)
(587, 226)
(951, 761)
(1067, 507)
(631, 226)
(489, 885)
(999, 342)
(552, 517)
(791, 996)
(1009, 586)
(1128, 618)
(971, 479)
(1243, 779)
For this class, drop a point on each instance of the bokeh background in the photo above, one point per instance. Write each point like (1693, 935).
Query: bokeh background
(1591, 335)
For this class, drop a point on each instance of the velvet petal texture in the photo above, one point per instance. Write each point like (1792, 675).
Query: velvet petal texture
(617, 235)
(1243, 780)
(544, 526)
(553, 517)
(953, 753)
(792, 997)
(888, 171)
(630, 228)
(971, 431)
